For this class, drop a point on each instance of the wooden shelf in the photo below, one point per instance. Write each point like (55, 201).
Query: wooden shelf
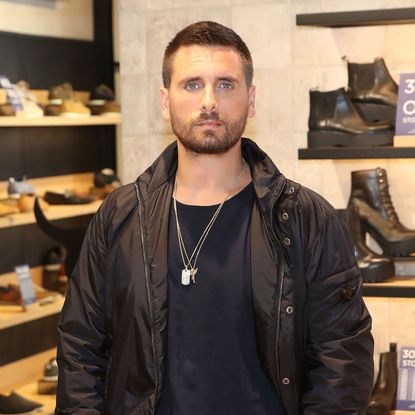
(49, 121)
(403, 287)
(385, 152)
(358, 18)
(14, 315)
(54, 212)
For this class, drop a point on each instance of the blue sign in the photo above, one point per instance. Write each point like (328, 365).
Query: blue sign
(25, 283)
(406, 384)
(405, 114)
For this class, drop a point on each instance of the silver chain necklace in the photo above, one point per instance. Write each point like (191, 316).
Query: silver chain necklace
(189, 271)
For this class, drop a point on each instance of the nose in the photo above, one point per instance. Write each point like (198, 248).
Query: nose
(208, 102)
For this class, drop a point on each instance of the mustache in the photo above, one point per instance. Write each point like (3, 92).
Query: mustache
(208, 116)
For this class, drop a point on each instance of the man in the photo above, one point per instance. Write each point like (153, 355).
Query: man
(213, 285)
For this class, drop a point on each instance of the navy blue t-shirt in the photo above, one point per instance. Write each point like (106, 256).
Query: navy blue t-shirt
(212, 365)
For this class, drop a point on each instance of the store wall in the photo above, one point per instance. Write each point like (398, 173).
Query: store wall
(289, 60)
(60, 18)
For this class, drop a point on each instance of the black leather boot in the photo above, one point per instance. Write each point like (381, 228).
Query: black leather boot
(374, 267)
(334, 121)
(370, 195)
(384, 391)
(373, 90)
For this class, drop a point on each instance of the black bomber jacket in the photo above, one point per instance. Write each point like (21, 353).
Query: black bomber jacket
(312, 327)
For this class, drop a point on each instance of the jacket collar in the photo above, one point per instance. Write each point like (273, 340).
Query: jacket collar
(267, 180)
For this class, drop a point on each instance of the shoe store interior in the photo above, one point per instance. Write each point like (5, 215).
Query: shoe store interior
(80, 116)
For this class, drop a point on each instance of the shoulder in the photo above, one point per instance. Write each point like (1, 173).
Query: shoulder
(118, 206)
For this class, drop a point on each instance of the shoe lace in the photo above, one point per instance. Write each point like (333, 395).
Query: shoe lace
(387, 204)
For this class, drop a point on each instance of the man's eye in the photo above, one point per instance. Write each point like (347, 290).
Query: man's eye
(191, 86)
(225, 85)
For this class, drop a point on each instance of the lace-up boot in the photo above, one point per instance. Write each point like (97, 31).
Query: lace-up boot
(374, 267)
(370, 195)
(335, 121)
(373, 90)
(384, 391)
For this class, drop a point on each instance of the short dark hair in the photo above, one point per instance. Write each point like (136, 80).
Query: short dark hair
(207, 33)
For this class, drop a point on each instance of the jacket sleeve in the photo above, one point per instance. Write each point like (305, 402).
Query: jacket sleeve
(83, 347)
(339, 345)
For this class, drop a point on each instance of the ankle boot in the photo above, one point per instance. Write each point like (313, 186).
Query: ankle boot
(334, 121)
(384, 391)
(370, 195)
(373, 90)
(374, 267)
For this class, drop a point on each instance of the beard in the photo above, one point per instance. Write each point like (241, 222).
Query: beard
(209, 141)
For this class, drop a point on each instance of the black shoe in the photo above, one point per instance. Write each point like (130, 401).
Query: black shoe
(16, 404)
(50, 373)
(66, 198)
(384, 391)
(374, 267)
(373, 90)
(370, 195)
(334, 121)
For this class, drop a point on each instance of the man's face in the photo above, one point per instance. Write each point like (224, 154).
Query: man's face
(208, 101)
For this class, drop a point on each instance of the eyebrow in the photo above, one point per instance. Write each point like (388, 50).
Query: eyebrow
(198, 78)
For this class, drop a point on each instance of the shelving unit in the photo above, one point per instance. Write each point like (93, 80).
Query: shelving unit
(402, 287)
(14, 315)
(355, 153)
(358, 18)
(54, 212)
(49, 121)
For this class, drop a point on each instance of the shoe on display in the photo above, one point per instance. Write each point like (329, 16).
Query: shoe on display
(62, 101)
(370, 195)
(31, 108)
(103, 102)
(53, 275)
(7, 110)
(105, 181)
(67, 198)
(334, 121)
(10, 294)
(26, 203)
(373, 90)
(384, 392)
(50, 372)
(7, 210)
(374, 267)
(18, 187)
(16, 404)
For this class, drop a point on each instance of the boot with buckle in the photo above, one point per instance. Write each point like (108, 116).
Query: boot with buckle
(374, 267)
(335, 121)
(370, 195)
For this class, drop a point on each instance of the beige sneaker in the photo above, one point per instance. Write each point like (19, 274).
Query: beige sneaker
(75, 109)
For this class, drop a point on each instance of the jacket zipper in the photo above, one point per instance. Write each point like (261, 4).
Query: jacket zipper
(141, 206)
(279, 296)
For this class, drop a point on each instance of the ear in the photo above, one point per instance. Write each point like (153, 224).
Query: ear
(251, 101)
(165, 108)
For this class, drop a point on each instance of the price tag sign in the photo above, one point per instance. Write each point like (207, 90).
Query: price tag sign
(405, 114)
(406, 382)
(25, 283)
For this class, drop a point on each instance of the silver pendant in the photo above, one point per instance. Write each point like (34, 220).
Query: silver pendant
(193, 272)
(186, 274)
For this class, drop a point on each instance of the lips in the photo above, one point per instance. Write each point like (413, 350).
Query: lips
(210, 123)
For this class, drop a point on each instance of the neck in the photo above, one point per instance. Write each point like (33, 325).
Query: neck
(208, 179)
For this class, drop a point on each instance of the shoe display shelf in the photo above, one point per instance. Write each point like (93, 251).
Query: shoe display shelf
(55, 121)
(331, 153)
(358, 18)
(81, 182)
